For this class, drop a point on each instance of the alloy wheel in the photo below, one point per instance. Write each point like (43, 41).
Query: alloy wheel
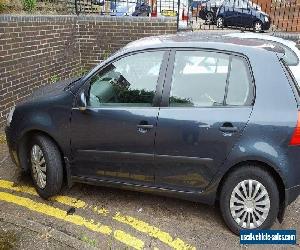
(258, 27)
(220, 22)
(249, 204)
(39, 167)
(209, 17)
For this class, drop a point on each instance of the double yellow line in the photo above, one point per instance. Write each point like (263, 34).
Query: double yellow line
(119, 235)
(2, 138)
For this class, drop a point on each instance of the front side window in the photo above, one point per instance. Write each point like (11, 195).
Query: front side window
(129, 81)
(204, 79)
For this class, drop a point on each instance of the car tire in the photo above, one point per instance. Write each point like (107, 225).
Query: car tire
(209, 17)
(220, 22)
(46, 166)
(233, 208)
(257, 26)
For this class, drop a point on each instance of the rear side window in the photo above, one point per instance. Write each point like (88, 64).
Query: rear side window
(238, 83)
(204, 79)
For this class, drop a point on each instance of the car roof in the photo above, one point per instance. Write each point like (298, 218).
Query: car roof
(250, 35)
(200, 40)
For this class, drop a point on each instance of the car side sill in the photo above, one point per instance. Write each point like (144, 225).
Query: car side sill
(186, 195)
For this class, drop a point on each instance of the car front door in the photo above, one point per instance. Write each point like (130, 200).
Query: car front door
(229, 12)
(113, 139)
(206, 104)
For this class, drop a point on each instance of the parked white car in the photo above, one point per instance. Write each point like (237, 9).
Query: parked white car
(292, 53)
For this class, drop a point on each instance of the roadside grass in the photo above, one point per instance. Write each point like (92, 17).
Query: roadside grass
(89, 241)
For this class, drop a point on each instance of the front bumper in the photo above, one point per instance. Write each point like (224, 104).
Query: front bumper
(266, 25)
(11, 147)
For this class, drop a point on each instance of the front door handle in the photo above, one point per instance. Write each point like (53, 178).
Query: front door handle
(228, 127)
(144, 127)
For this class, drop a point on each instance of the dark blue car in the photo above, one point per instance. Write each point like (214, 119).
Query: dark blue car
(242, 13)
(201, 119)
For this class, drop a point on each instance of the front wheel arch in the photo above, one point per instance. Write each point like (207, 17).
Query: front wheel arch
(23, 145)
(278, 179)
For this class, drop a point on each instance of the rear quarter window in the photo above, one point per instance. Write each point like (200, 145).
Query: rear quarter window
(292, 81)
(239, 85)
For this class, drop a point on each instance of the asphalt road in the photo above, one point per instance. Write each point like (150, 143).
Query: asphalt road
(97, 217)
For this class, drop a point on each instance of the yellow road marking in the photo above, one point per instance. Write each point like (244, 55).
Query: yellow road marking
(74, 219)
(153, 232)
(102, 211)
(70, 201)
(135, 223)
(125, 238)
(2, 139)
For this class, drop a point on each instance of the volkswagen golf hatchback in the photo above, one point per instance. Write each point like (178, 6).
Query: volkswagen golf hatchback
(210, 120)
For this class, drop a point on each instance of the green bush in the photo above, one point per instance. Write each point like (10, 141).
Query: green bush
(29, 5)
(2, 7)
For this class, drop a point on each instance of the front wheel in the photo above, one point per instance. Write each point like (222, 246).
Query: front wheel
(46, 166)
(257, 26)
(220, 22)
(249, 199)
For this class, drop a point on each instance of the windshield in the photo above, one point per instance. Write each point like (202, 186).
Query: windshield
(242, 4)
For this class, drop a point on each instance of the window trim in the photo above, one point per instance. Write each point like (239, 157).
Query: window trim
(168, 80)
(159, 85)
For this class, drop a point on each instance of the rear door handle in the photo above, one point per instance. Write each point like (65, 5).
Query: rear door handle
(228, 127)
(146, 126)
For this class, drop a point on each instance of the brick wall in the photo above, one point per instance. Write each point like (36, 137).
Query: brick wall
(35, 50)
(99, 37)
(285, 14)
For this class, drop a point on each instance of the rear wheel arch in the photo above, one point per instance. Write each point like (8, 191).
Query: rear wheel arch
(267, 167)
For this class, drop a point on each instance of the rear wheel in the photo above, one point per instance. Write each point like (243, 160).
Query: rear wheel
(220, 22)
(209, 17)
(46, 166)
(249, 199)
(257, 26)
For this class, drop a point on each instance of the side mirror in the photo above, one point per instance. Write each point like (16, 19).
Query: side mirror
(83, 102)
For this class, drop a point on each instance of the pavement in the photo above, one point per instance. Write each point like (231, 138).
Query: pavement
(90, 217)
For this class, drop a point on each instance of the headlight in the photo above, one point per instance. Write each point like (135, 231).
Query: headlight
(10, 116)
(266, 19)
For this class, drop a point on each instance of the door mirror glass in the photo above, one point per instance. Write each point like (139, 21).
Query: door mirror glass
(129, 81)
(83, 102)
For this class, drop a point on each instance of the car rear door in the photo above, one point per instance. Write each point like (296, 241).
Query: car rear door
(207, 103)
(244, 14)
(113, 139)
